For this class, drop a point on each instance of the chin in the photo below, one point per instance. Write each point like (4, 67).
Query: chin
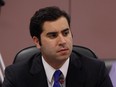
(64, 57)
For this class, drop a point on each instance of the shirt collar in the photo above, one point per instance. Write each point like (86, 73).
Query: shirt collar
(50, 70)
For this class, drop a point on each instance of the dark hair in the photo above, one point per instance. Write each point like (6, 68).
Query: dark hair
(2, 3)
(45, 14)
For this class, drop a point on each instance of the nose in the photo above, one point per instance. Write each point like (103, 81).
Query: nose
(61, 40)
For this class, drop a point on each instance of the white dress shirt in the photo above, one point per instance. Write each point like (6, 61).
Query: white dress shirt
(50, 71)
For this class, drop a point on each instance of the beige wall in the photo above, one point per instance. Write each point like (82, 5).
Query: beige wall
(93, 25)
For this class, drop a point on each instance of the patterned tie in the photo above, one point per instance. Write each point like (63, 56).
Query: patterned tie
(56, 78)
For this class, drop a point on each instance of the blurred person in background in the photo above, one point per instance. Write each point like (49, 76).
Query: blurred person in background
(2, 3)
(112, 74)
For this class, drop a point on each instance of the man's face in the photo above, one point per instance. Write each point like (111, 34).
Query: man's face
(56, 40)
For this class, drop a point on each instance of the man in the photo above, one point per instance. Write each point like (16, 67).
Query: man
(56, 65)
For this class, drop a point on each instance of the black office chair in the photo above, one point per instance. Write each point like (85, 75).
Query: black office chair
(30, 51)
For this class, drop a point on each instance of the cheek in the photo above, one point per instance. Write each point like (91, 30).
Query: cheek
(70, 40)
(48, 43)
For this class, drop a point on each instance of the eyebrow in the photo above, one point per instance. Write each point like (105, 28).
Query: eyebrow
(65, 30)
(49, 33)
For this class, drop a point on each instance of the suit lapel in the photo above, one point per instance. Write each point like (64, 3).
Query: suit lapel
(76, 74)
(38, 73)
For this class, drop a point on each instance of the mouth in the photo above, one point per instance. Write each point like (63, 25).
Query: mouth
(63, 51)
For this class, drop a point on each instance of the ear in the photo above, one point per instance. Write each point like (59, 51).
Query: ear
(36, 41)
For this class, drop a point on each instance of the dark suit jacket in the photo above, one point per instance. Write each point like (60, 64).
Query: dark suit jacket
(0, 84)
(82, 72)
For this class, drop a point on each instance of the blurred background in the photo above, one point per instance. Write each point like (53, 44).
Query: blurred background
(93, 23)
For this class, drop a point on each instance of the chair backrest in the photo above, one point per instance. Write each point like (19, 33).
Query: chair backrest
(28, 52)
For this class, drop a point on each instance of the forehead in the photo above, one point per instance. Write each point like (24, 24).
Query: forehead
(57, 25)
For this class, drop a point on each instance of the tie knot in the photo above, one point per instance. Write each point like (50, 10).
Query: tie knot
(57, 74)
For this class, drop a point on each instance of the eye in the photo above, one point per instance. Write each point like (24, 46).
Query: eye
(52, 35)
(65, 33)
